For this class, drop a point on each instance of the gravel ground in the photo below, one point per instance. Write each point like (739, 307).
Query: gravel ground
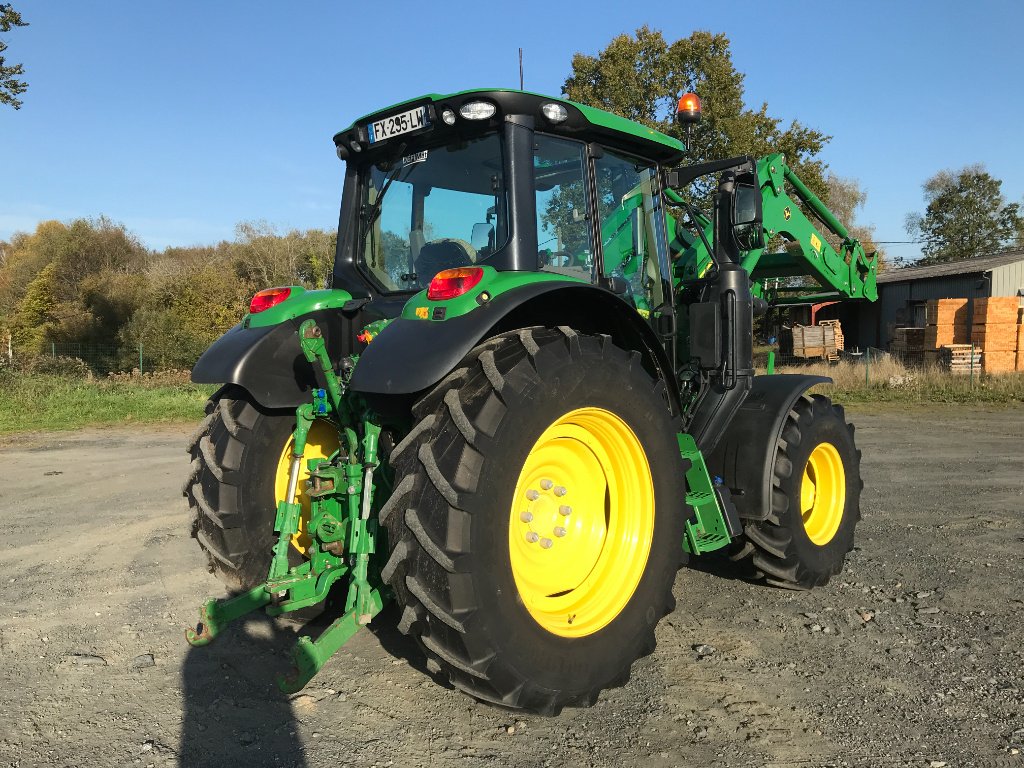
(913, 656)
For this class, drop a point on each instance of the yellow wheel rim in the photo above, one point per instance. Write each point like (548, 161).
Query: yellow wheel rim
(581, 522)
(322, 443)
(823, 493)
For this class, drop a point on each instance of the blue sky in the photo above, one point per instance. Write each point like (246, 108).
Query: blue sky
(181, 119)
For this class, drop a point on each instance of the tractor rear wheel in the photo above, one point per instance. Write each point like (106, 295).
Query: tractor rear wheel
(537, 521)
(815, 502)
(239, 471)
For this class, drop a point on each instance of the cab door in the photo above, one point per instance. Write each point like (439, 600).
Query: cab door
(631, 219)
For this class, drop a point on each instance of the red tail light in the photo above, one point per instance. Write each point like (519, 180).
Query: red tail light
(268, 298)
(450, 283)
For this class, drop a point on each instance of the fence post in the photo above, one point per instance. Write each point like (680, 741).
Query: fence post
(972, 365)
(53, 350)
(867, 366)
(140, 358)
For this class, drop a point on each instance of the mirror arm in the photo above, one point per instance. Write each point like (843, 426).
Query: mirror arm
(685, 175)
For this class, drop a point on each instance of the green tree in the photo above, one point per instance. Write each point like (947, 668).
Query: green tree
(641, 77)
(37, 312)
(10, 86)
(966, 216)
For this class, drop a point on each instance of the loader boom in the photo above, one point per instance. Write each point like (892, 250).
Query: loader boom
(846, 273)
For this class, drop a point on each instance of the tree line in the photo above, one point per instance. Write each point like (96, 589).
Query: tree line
(92, 282)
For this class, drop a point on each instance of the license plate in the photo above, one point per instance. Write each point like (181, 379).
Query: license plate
(412, 120)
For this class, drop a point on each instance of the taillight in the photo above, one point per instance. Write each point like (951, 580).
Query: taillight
(450, 283)
(268, 298)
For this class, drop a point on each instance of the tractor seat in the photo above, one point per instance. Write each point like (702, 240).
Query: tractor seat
(442, 254)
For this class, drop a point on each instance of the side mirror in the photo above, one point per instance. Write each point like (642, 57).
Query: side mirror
(481, 237)
(747, 216)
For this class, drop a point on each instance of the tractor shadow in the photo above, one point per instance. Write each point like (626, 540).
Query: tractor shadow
(234, 713)
(384, 627)
(719, 565)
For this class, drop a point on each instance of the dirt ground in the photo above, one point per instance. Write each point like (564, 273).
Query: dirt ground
(913, 656)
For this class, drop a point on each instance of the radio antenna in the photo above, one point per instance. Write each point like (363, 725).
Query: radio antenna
(520, 69)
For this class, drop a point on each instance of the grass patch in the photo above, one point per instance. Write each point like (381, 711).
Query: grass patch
(890, 381)
(53, 402)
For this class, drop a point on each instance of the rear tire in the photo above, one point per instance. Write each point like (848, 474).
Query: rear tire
(806, 537)
(453, 525)
(234, 484)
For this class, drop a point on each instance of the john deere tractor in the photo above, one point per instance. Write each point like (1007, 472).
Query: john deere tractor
(526, 399)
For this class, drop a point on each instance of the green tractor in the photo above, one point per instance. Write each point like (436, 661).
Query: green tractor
(527, 399)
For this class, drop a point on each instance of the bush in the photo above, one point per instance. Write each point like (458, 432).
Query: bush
(69, 367)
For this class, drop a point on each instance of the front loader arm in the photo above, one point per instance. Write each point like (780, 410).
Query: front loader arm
(846, 273)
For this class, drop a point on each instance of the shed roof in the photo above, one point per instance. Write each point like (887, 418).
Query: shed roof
(964, 267)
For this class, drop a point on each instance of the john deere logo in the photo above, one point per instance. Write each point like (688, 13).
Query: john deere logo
(786, 213)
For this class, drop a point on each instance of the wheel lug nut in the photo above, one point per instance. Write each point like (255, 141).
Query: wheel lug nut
(526, 516)
(565, 510)
(560, 490)
(532, 537)
(532, 495)
(546, 484)
(559, 531)
(546, 543)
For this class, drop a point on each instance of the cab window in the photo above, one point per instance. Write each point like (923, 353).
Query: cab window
(628, 210)
(563, 230)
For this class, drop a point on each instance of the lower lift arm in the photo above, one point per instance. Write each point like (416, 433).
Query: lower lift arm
(342, 529)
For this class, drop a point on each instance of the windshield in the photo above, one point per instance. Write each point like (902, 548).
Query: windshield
(424, 210)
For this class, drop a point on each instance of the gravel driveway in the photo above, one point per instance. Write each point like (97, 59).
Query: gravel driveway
(913, 656)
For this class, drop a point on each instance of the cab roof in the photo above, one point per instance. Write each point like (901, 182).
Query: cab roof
(583, 122)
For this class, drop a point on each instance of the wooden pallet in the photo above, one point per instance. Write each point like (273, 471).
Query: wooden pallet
(960, 358)
(910, 339)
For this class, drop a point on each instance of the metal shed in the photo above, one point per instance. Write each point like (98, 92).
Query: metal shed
(902, 293)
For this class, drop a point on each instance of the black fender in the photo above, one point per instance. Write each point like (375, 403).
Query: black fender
(745, 454)
(268, 361)
(411, 356)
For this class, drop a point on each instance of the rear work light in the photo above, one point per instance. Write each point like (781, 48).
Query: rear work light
(450, 283)
(268, 298)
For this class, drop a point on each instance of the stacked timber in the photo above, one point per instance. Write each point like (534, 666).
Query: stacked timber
(994, 329)
(840, 339)
(947, 321)
(960, 358)
(814, 341)
(908, 345)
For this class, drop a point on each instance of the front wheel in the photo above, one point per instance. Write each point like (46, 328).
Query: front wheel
(537, 520)
(815, 503)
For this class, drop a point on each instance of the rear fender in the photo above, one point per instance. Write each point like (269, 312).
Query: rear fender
(268, 362)
(745, 454)
(413, 355)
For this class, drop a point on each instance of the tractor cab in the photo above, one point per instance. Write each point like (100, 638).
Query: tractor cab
(505, 179)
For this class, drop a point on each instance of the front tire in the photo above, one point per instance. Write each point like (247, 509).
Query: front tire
(520, 602)
(815, 502)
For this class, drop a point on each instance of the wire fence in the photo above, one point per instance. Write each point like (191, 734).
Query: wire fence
(100, 359)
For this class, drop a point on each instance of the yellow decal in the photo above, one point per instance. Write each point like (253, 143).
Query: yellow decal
(422, 313)
(815, 243)
(644, 313)
(786, 213)
(704, 269)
